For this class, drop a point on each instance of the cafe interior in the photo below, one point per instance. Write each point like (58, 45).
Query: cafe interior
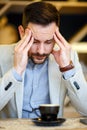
(73, 26)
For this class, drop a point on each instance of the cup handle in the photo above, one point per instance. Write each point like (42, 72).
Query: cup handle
(36, 112)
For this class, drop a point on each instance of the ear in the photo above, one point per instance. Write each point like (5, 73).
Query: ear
(21, 31)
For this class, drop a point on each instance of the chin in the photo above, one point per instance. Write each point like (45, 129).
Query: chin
(39, 61)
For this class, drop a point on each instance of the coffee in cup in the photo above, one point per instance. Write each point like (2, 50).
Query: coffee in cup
(49, 112)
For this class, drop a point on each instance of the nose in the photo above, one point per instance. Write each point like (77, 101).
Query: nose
(41, 48)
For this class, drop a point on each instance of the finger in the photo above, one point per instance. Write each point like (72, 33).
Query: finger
(58, 42)
(28, 46)
(21, 31)
(61, 38)
(24, 40)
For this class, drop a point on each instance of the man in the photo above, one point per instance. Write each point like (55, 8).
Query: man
(33, 72)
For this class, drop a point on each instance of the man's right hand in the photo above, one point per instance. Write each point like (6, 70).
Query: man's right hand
(21, 51)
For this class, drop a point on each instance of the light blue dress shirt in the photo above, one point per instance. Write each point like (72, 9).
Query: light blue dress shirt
(36, 88)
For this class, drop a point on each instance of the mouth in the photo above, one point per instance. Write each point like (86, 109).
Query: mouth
(40, 57)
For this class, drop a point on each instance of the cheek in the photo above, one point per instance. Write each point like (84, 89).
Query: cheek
(49, 48)
(31, 50)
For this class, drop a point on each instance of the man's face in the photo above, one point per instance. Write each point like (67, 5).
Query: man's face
(43, 41)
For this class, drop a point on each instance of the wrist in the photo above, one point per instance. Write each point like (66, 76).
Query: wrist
(68, 74)
(68, 67)
(16, 75)
(18, 70)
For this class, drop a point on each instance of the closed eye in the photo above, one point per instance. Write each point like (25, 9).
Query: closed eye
(49, 41)
(36, 42)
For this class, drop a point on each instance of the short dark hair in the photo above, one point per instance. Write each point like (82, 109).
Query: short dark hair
(42, 13)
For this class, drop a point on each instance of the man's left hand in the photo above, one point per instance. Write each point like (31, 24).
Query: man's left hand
(63, 54)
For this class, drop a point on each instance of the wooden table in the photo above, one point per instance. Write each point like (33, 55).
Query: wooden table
(26, 124)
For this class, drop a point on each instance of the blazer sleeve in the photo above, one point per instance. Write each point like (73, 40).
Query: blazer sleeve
(8, 86)
(77, 87)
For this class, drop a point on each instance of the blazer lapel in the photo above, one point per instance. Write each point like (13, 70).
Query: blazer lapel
(19, 98)
(54, 80)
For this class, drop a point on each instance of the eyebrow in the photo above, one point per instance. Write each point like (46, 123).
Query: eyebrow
(46, 40)
(36, 39)
(50, 39)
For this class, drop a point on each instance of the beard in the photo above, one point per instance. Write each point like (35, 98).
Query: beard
(38, 58)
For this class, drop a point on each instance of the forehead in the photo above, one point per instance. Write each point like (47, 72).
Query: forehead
(42, 32)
